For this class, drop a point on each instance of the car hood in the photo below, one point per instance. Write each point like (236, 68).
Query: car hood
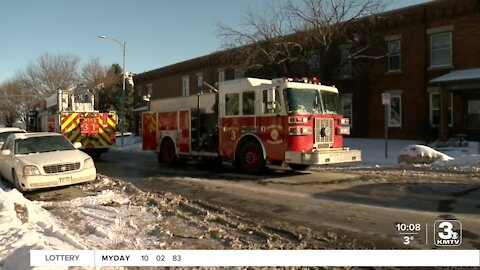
(57, 157)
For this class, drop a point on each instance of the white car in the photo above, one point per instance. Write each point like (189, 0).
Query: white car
(42, 160)
(6, 131)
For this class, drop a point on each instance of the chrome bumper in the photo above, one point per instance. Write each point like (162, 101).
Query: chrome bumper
(323, 157)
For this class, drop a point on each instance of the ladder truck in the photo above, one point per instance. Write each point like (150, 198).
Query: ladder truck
(71, 112)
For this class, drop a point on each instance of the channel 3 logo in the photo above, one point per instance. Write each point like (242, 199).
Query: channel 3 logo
(448, 233)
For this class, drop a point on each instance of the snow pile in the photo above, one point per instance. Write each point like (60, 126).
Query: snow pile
(465, 158)
(420, 154)
(25, 225)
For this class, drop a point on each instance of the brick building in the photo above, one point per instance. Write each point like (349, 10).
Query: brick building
(427, 60)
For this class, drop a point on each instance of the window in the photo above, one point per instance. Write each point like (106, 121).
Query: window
(139, 91)
(394, 55)
(231, 104)
(313, 60)
(239, 73)
(199, 80)
(435, 109)
(395, 111)
(185, 86)
(347, 107)
(441, 49)
(221, 75)
(345, 62)
(150, 89)
(248, 103)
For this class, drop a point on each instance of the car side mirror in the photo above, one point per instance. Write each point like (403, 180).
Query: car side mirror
(77, 145)
(1, 144)
(5, 152)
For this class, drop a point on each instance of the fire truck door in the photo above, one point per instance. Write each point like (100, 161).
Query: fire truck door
(149, 131)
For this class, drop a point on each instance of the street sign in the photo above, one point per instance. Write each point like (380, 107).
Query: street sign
(385, 98)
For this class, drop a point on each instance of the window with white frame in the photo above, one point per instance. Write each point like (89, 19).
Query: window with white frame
(313, 60)
(435, 109)
(395, 110)
(150, 89)
(441, 49)
(394, 55)
(185, 85)
(139, 91)
(221, 75)
(199, 80)
(347, 107)
(346, 61)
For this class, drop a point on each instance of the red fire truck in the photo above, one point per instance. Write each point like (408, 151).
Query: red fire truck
(71, 112)
(251, 122)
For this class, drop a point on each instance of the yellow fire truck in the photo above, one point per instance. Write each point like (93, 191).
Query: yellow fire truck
(71, 112)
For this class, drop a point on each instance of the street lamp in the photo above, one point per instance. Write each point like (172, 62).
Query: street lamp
(122, 108)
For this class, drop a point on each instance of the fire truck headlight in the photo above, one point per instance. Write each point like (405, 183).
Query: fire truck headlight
(344, 121)
(30, 170)
(343, 131)
(88, 163)
(297, 120)
(300, 130)
(307, 157)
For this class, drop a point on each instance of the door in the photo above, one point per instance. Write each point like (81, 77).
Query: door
(472, 124)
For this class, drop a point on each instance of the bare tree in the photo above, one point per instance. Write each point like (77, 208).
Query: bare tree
(15, 101)
(93, 73)
(51, 72)
(291, 33)
(265, 41)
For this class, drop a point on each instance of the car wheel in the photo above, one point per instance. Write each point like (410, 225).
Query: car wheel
(16, 183)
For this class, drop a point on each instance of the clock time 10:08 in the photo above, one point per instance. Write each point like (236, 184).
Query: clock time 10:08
(408, 227)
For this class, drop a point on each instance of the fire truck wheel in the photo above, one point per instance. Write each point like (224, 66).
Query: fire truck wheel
(167, 153)
(251, 159)
(298, 167)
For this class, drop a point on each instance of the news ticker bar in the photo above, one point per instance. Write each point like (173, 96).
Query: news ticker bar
(93, 258)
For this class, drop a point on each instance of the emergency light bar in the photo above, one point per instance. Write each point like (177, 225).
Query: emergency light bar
(313, 80)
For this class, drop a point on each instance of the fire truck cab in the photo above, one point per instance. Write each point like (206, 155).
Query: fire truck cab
(252, 122)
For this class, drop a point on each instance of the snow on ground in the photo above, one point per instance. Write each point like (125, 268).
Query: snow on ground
(110, 220)
(25, 225)
(373, 154)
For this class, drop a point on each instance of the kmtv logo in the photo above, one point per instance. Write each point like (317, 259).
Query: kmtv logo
(448, 233)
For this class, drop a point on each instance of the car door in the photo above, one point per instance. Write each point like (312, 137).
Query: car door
(7, 161)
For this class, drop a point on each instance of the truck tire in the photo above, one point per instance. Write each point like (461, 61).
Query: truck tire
(298, 167)
(250, 159)
(167, 153)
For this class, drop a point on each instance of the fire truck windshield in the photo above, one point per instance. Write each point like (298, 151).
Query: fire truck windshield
(331, 104)
(308, 101)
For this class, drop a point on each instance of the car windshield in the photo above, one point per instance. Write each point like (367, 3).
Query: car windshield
(302, 100)
(42, 144)
(331, 104)
(4, 135)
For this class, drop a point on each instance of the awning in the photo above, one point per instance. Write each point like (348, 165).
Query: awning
(141, 109)
(457, 76)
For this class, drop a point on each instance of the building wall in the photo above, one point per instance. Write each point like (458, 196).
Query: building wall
(371, 77)
(412, 25)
